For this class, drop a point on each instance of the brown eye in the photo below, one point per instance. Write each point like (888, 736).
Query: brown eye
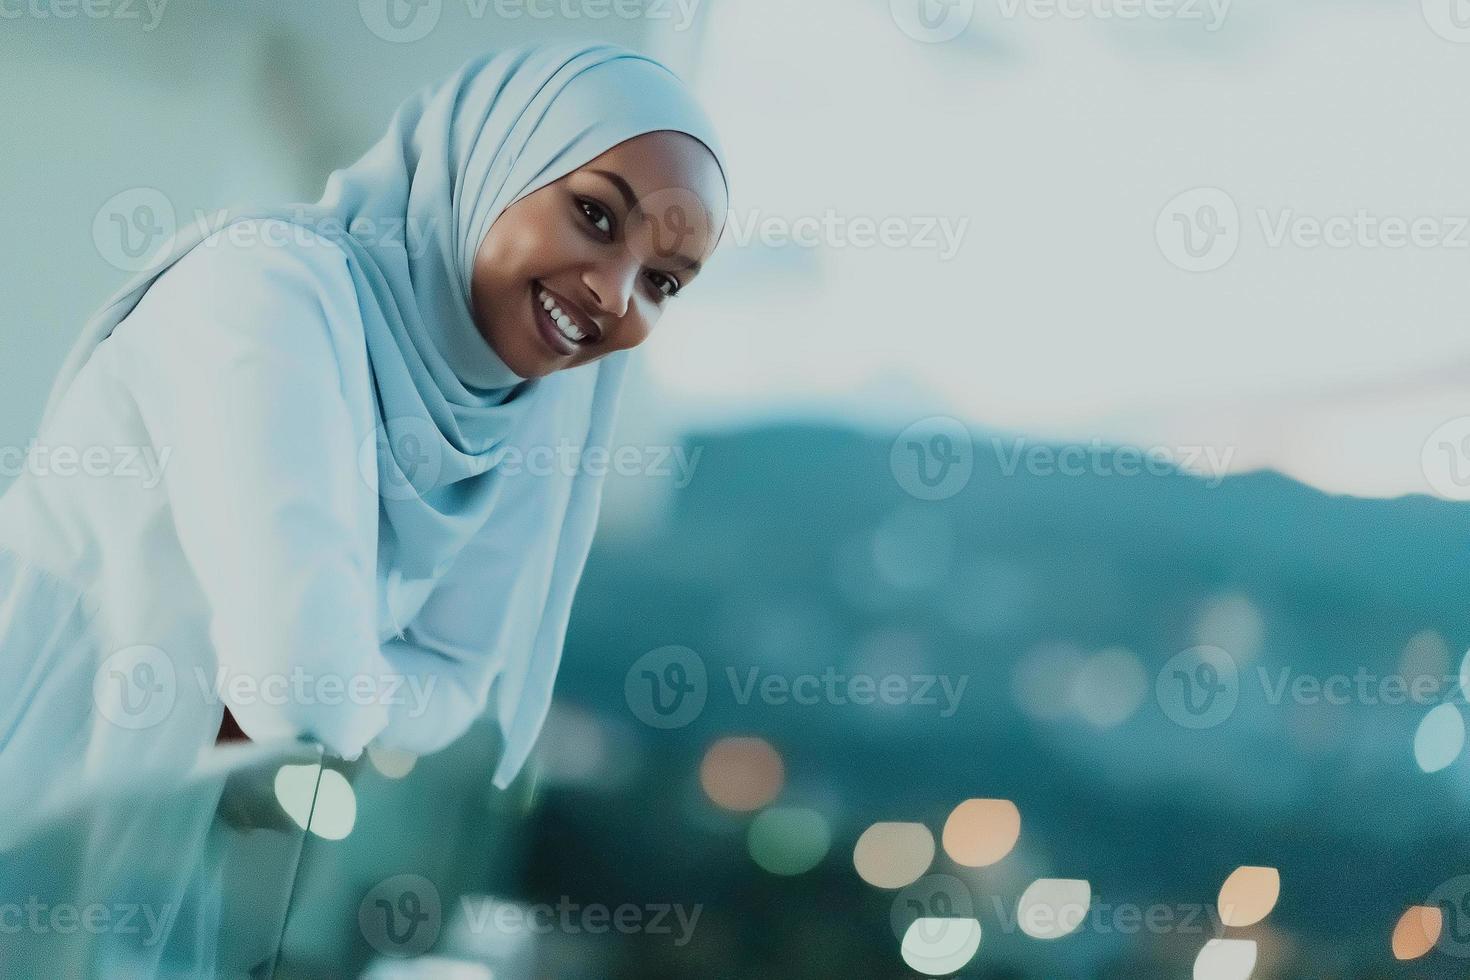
(597, 215)
(664, 283)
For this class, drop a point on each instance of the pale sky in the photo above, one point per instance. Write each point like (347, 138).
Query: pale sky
(1060, 141)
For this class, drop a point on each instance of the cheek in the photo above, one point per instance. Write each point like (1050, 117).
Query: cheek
(539, 243)
(638, 327)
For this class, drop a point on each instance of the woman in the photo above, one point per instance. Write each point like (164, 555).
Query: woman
(352, 541)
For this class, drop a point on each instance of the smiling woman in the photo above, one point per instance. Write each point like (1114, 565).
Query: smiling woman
(334, 530)
(585, 266)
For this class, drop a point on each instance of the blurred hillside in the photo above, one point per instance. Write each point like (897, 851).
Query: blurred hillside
(794, 550)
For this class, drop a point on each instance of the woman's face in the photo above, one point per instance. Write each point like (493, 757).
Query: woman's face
(586, 265)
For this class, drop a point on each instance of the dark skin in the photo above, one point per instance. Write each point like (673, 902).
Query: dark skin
(613, 242)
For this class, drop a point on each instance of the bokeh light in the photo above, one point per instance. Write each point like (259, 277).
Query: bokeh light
(1248, 895)
(913, 548)
(1426, 655)
(742, 773)
(939, 947)
(1232, 623)
(295, 788)
(1439, 738)
(981, 832)
(892, 855)
(1051, 908)
(788, 840)
(1416, 932)
(318, 800)
(438, 967)
(1226, 959)
(1042, 681)
(1109, 687)
(392, 763)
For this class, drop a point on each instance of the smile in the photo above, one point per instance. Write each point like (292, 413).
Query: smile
(564, 331)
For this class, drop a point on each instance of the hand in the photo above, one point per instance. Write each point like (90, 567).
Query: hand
(229, 730)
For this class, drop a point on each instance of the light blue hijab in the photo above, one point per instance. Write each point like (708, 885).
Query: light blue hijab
(411, 214)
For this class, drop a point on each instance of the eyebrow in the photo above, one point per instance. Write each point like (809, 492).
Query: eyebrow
(630, 201)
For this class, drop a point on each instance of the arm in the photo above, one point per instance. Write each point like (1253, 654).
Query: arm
(459, 642)
(240, 356)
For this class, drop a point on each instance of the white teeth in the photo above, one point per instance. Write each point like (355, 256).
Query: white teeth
(564, 323)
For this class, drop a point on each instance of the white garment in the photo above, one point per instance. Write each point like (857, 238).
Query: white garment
(243, 371)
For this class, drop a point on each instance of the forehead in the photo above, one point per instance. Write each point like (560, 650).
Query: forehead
(667, 164)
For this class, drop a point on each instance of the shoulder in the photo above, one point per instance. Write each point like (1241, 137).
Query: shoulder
(264, 256)
(254, 283)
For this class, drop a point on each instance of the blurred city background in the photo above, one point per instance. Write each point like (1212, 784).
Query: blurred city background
(1057, 564)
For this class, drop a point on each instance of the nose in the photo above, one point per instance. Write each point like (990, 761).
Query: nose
(610, 284)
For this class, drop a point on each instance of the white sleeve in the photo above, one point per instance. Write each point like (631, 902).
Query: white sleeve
(458, 644)
(239, 358)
